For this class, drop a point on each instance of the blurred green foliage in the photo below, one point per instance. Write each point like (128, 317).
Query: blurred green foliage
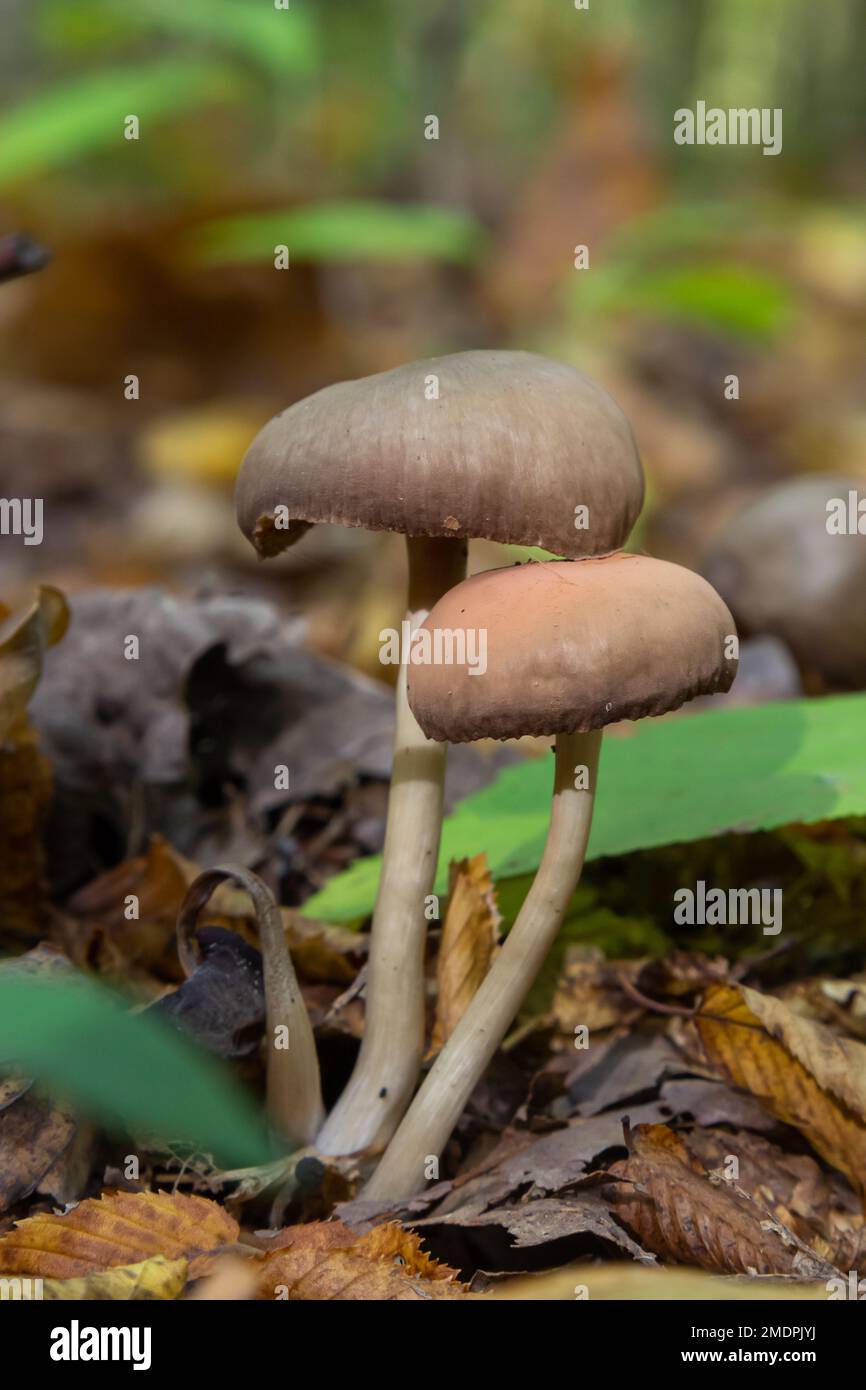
(129, 1072)
(72, 121)
(308, 123)
(346, 231)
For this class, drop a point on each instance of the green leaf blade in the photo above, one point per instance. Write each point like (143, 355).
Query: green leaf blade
(341, 231)
(670, 781)
(123, 1070)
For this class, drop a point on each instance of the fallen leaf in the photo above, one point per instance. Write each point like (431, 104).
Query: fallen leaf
(34, 1135)
(802, 1072)
(674, 1209)
(24, 638)
(519, 1162)
(326, 1260)
(123, 921)
(468, 944)
(630, 1282)
(542, 1221)
(118, 1228)
(589, 993)
(156, 1278)
(793, 1186)
(25, 773)
(43, 1147)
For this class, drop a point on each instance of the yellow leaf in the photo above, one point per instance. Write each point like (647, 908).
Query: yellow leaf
(203, 445)
(119, 1228)
(801, 1071)
(156, 1278)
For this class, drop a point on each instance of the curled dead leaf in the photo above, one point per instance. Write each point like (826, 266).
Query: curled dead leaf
(468, 944)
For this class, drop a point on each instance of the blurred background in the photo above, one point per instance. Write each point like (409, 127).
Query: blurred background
(307, 127)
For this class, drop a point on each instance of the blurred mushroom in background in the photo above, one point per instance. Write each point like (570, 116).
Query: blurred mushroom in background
(786, 568)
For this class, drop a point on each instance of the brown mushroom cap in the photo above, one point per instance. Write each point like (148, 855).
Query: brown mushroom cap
(511, 446)
(572, 647)
(784, 574)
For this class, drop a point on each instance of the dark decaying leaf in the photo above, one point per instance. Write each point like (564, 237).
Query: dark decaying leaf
(676, 1210)
(184, 740)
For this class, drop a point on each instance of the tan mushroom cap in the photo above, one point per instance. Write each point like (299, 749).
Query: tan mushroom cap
(571, 647)
(512, 444)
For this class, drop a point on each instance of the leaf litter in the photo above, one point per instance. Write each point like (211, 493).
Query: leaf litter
(669, 1108)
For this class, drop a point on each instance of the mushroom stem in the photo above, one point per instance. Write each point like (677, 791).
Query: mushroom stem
(294, 1093)
(389, 1062)
(464, 1058)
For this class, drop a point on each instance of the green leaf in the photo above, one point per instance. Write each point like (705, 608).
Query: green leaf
(731, 298)
(669, 781)
(345, 231)
(734, 298)
(66, 123)
(125, 1071)
(282, 40)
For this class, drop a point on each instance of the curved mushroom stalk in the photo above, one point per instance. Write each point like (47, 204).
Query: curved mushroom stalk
(467, 1053)
(294, 1093)
(389, 1062)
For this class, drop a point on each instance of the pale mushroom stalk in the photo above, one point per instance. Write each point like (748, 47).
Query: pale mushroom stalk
(294, 1093)
(389, 1062)
(570, 645)
(467, 1053)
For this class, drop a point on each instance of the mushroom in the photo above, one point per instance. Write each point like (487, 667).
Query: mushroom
(502, 445)
(294, 1094)
(787, 570)
(570, 648)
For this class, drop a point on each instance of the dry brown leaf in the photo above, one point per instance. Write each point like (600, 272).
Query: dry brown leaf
(589, 993)
(25, 774)
(34, 1135)
(98, 929)
(794, 1187)
(327, 1260)
(800, 1070)
(468, 944)
(118, 1228)
(24, 637)
(323, 952)
(679, 1213)
(841, 1003)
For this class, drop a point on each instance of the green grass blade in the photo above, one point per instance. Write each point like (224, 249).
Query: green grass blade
(127, 1072)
